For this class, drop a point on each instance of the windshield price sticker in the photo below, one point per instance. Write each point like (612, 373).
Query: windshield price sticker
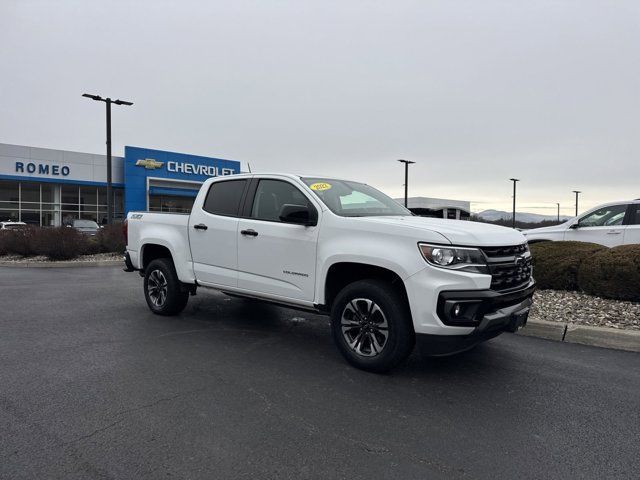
(319, 187)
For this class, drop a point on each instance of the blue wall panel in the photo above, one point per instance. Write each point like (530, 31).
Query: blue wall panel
(140, 163)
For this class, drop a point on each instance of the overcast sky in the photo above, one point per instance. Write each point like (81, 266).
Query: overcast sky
(474, 92)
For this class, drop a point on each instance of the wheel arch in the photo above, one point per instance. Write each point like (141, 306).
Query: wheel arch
(341, 274)
(152, 251)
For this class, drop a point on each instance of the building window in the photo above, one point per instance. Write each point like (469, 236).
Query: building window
(30, 203)
(48, 204)
(169, 203)
(70, 203)
(89, 203)
(50, 210)
(118, 203)
(9, 200)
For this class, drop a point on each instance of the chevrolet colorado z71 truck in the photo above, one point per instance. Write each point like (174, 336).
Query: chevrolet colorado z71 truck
(387, 278)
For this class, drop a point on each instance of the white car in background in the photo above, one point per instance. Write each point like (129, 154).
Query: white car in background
(10, 225)
(611, 224)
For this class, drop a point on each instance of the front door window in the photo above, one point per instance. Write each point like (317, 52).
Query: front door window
(272, 195)
(604, 217)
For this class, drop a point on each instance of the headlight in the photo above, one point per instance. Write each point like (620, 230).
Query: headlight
(454, 258)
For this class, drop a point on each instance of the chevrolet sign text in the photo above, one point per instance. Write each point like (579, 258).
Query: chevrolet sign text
(193, 169)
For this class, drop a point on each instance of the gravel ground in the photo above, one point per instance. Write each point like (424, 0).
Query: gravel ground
(583, 309)
(42, 258)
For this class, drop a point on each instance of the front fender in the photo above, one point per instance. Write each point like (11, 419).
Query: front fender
(400, 256)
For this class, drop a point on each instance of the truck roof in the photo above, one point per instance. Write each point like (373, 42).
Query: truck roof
(289, 175)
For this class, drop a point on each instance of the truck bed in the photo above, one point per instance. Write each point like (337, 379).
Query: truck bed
(168, 230)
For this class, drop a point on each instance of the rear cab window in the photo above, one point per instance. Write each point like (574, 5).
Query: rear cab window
(224, 197)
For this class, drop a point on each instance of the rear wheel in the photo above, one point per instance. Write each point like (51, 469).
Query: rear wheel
(371, 325)
(162, 288)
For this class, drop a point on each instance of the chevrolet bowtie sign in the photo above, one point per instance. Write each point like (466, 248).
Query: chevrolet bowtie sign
(149, 163)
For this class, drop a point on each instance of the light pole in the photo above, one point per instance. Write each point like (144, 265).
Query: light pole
(577, 192)
(406, 179)
(558, 212)
(513, 220)
(108, 101)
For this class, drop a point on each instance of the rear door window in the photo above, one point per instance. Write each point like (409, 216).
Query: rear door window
(224, 197)
(634, 217)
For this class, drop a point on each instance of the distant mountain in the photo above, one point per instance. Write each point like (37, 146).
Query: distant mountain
(493, 215)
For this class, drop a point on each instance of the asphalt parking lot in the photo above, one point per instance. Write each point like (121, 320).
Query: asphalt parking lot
(95, 386)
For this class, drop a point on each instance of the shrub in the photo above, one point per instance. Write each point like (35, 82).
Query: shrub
(60, 243)
(110, 239)
(3, 242)
(18, 242)
(556, 264)
(612, 273)
(92, 246)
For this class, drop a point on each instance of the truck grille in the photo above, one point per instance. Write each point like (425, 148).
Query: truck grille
(510, 266)
(492, 252)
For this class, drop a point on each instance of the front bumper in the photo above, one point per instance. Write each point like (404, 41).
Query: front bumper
(496, 313)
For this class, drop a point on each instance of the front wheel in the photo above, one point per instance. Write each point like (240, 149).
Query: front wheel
(162, 288)
(371, 325)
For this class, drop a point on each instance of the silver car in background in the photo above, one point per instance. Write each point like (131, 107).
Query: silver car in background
(87, 227)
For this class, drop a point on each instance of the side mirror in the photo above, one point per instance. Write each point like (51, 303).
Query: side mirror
(575, 226)
(298, 214)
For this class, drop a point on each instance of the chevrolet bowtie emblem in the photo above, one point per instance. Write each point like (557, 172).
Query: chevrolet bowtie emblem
(149, 163)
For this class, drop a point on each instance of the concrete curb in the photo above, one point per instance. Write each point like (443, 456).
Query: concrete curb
(585, 335)
(544, 329)
(603, 337)
(64, 264)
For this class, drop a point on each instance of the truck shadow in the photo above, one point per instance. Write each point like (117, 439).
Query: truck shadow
(307, 336)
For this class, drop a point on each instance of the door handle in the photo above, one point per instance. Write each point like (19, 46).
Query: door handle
(251, 232)
(614, 232)
(200, 226)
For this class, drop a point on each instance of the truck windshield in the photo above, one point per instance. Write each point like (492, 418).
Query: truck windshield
(353, 199)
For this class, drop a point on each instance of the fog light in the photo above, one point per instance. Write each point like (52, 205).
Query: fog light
(460, 312)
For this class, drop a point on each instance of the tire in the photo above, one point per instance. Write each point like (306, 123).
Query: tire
(162, 289)
(361, 315)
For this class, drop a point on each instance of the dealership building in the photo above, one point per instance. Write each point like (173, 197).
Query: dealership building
(438, 207)
(46, 187)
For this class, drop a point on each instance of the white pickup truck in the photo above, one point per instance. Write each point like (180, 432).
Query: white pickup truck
(388, 279)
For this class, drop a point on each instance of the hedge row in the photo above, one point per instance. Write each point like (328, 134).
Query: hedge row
(61, 243)
(594, 269)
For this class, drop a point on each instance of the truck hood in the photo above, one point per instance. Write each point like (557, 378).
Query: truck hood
(458, 232)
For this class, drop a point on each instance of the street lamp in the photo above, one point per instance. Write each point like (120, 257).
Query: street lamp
(108, 101)
(513, 220)
(406, 179)
(577, 192)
